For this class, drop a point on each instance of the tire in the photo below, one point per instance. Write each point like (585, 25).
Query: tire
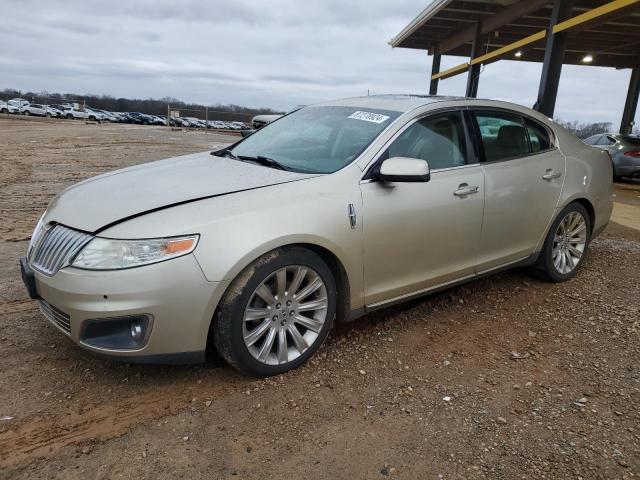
(617, 178)
(263, 358)
(69, 117)
(26, 113)
(550, 265)
(48, 115)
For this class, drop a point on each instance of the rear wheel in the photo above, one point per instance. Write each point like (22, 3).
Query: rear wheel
(277, 312)
(69, 117)
(566, 244)
(26, 113)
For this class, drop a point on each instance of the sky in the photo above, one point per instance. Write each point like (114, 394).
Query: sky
(275, 53)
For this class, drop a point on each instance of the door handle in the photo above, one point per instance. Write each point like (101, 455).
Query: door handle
(550, 175)
(465, 190)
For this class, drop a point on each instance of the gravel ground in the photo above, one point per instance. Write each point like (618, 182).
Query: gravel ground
(506, 377)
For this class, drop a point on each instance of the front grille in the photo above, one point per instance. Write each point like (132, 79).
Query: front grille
(55, 248)
(55, 316)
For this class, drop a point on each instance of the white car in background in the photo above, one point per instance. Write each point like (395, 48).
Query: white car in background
(94, 115)
(6, 108)
(40, 110)
(73, 114)
(18, 102)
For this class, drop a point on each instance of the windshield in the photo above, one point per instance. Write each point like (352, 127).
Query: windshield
(317, 139)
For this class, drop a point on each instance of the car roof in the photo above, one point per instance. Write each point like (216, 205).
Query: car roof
(393, 102)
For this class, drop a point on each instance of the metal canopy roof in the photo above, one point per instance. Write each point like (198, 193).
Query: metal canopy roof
(611, 36)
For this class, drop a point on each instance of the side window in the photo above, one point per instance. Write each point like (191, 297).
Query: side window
(538, 136)
(607, 140)
(503, 135)
(440, 140)
(593, 140)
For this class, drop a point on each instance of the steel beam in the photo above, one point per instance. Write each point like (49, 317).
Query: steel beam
(494, 22)
(553, 58)
(631, 104)
(435, 69)
(473, 77)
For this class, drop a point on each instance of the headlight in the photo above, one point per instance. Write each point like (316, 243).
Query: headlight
(35, 236)
(112, 254)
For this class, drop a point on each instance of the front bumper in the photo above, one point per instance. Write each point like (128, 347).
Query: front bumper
(174, 293)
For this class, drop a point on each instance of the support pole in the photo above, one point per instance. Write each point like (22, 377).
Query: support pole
(553, 58)
(435, 69)
(631, 104)
(473, 77)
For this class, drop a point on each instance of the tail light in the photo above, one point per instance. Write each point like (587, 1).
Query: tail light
(632, 154)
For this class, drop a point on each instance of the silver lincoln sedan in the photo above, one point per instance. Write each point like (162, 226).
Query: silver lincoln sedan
(328, 213)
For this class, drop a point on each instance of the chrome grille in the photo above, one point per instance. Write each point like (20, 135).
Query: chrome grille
(55, 316)
(55, 248)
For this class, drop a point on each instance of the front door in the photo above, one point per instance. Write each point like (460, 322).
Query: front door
(421, 235)
(524, 175)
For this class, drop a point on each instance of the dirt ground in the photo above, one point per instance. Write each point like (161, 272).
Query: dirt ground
(507, 377)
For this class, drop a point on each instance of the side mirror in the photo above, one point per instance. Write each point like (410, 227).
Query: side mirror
(403, 169)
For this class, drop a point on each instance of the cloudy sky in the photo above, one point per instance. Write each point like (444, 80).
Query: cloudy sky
(276, 53)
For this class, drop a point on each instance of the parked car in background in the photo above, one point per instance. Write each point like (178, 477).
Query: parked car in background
(152, 263)
(38, 110)
(18, 102)
(7, 108)
(159, 120)
(624, 151)
(74, 114)
(140, 118)
(260, 121)
(94, 115)
(106, 115)
(195, 122)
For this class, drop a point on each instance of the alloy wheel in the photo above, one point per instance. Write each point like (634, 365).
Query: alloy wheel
(285, 314)
(569, 242)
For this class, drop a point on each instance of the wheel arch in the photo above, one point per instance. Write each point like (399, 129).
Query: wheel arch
(337, 267)
(588, 206)
(585, 202)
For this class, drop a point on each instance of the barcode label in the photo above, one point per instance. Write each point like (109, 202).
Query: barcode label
(369, 117)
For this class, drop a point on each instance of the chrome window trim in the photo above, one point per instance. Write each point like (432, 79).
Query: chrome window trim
(411, 122)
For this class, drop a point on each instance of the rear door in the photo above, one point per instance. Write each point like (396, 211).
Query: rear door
(420, 235)
(524, 174)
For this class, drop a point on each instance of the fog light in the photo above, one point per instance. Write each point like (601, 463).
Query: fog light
(117, 333)
(136, 330)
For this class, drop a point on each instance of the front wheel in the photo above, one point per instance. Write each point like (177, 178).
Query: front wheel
(276, 313)
(566, 244)
(26, 113)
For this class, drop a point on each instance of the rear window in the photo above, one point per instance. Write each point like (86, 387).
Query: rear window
(538, 136)
(503, 135)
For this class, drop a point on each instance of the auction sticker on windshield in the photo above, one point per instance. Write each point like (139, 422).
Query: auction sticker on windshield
(369, 117)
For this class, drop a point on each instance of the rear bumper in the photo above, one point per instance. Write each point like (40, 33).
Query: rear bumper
(175, 294)
(627, 171)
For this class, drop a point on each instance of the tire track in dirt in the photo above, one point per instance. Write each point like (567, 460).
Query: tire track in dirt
(46, 436)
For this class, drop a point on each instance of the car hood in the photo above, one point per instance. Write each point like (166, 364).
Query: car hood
(110, 198)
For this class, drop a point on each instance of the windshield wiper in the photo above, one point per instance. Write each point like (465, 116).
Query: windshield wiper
(266, 161)
(224, 153)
